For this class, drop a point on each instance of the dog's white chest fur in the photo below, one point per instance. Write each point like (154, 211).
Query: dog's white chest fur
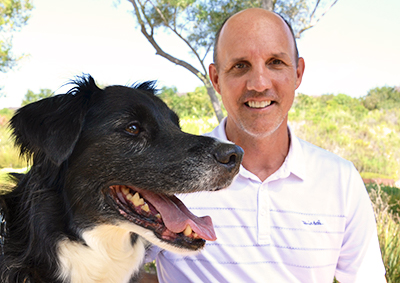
(108, 257)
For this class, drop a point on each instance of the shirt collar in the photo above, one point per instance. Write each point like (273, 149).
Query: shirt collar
(295, 158)
(293, 163)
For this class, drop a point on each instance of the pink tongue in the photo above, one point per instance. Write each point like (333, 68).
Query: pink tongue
(176, 216)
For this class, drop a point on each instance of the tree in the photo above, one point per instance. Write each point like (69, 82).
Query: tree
(195, 23)
(14, 14)
(192, 104)
(30, 96)
(382, 98)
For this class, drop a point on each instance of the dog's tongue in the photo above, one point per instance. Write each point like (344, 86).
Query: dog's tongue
(176, 216)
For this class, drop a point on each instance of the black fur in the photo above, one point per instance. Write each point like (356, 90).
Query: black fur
(80, 144)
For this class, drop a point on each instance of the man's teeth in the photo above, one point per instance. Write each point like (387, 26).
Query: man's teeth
(258, 104)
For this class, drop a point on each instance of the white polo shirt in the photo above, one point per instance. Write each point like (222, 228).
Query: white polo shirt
(308, 222)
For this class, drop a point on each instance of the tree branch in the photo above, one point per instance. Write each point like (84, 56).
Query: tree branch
(189, 67)
(180, 36)
(315, 9)
(315, 22)
(161, 52)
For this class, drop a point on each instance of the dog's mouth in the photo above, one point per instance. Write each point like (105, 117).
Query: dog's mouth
(165, 215)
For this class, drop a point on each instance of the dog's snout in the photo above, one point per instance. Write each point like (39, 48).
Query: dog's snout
(229, 155)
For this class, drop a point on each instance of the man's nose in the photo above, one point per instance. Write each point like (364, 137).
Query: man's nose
(259, 79)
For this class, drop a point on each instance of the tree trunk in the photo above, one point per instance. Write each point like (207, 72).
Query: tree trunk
(215, 102)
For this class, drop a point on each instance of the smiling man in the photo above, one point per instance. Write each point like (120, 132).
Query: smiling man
(256, 71)
(295, 212)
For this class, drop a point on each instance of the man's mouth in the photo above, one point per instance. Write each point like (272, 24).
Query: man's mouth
(258, 104)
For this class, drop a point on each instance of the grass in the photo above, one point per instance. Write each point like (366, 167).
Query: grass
(388, 226)
(198, 126)
(5, 182)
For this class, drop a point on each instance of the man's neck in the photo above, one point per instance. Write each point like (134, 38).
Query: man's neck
(263, 156)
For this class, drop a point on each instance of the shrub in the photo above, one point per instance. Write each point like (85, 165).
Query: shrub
(388, 226)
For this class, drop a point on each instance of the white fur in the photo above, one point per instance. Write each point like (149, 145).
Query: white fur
(149, 236)
(108, 255)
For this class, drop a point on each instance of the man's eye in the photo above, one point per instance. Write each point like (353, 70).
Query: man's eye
(276, 62)
(240, 66)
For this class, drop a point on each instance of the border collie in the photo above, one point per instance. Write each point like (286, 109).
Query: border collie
(106, 164)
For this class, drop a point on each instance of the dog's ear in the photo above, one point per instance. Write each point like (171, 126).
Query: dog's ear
(52, 125)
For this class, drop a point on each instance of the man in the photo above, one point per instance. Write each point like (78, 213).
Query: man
(295, 213)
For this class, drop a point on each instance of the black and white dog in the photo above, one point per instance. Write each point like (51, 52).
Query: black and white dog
(106, 164)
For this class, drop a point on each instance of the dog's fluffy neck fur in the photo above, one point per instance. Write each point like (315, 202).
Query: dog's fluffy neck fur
(107, 255)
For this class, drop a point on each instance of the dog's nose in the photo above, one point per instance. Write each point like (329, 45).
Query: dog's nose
(229, 155)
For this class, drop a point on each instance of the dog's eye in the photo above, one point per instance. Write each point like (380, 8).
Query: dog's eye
(133, 129)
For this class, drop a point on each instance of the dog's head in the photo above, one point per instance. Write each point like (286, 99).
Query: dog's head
(120, 157)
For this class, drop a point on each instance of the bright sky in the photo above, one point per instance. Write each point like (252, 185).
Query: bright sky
(354, 48)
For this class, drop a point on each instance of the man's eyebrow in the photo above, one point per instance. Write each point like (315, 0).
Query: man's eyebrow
(280, 55)
(235, 60)
(244, 59)
(239, 59)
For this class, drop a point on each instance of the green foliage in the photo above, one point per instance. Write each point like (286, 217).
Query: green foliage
(30, 96)
(193, 108)
(393, 199)
(343, 125)
(192, 104)
(388, 226)
(5, 115)
(198, 126)
(13, 15)
(9, 156)
(382, 98)
(6, 181)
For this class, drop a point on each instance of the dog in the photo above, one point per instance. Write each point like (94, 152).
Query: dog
(105, 167)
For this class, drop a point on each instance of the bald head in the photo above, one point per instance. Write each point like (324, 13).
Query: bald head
(248, 20)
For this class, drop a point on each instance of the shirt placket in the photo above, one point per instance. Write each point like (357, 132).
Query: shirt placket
(263, 216)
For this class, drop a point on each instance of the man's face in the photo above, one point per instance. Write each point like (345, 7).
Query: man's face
(256, 72)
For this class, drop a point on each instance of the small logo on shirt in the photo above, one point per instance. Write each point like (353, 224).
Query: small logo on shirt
(314, 223)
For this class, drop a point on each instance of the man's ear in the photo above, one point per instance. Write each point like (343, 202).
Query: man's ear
(300, 71)
(212, 70)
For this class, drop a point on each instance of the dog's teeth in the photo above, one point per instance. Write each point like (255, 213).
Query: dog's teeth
(158, 215)
(129, 196)
(188, 230)
(195, 235)
(137, 200)
(145, 207)
(125, 190)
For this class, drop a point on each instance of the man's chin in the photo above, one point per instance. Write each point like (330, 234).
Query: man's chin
(263, 129)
